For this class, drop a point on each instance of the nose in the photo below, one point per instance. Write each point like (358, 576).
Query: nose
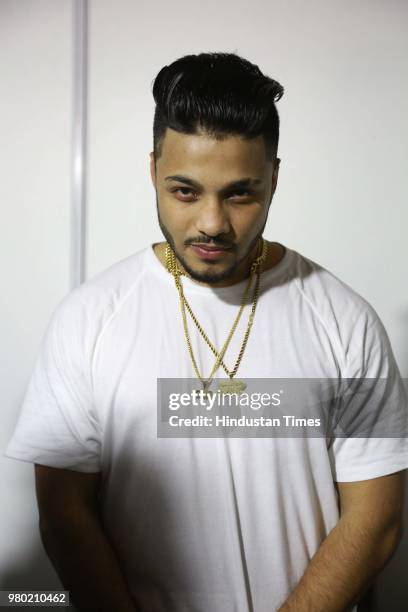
(213, 218)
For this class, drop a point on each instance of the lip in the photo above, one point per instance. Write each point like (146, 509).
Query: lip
(206, 252)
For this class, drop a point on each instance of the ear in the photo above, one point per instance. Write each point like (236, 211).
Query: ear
(152, 169)
(275, 174)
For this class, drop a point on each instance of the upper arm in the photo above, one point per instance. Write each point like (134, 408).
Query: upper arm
(380, 500)
(61, 492)
(59, 418)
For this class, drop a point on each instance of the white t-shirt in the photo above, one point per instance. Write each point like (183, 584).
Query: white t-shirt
(204, 524)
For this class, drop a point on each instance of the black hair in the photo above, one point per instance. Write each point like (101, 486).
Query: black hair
(221, 94)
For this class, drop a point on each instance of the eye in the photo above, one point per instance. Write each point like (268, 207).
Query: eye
(184, 193)
(240, 194)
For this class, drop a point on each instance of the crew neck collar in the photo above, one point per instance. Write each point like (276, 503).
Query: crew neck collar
(189, 285)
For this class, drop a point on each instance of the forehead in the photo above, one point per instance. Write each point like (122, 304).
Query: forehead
(202, 153)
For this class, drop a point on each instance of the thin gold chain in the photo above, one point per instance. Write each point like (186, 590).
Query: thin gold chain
(256, 267)
(183, 303)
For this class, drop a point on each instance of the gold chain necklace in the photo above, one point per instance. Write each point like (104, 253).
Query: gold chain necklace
(229, 386)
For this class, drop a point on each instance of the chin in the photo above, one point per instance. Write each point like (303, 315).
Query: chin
(209, 274)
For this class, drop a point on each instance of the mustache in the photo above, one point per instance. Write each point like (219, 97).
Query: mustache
(209, 241)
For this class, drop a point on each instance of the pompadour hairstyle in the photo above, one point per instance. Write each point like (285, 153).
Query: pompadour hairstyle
(221, 94)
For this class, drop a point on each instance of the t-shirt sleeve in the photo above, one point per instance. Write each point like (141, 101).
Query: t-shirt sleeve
(57, 425)
(372, 426)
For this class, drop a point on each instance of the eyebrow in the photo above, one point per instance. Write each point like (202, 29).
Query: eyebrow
(245, 182)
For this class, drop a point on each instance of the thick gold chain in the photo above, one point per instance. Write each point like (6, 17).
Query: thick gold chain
(256, 267)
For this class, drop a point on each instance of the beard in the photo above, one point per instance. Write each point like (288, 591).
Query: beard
(208, 277)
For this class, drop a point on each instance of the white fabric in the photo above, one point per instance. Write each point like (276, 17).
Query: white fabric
(203, 524)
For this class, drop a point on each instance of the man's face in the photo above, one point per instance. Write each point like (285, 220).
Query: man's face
(213, 193)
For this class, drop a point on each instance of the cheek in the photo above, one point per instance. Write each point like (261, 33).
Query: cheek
(173, 214)
(247, 220)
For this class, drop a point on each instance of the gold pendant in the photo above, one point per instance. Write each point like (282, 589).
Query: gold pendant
(231, 386)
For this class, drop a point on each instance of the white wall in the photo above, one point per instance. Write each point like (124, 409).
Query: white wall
(341, 193)
(35, 124)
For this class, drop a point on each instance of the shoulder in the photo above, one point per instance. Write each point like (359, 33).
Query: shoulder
(351, 322)
(85, 310)
(330, 296)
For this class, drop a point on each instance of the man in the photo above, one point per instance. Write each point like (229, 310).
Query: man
(135, 521)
